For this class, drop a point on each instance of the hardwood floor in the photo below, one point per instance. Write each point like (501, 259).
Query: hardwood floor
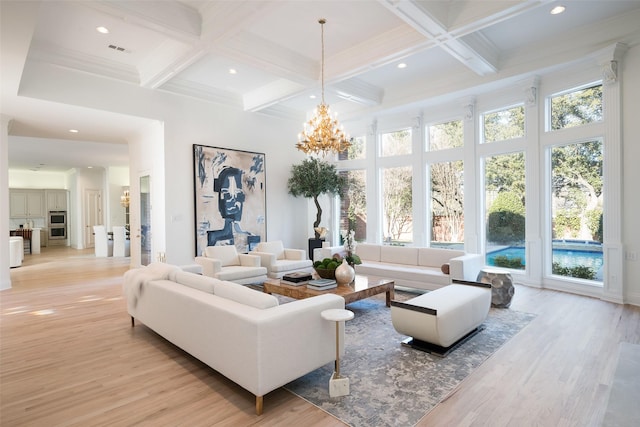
(68, 357)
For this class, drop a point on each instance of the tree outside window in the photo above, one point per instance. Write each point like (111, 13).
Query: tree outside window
(397, 205)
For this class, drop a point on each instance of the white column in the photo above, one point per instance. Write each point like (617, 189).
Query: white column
(5, 276)
(609, 60)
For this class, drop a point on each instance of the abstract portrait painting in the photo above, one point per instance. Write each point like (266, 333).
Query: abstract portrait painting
(230, 198)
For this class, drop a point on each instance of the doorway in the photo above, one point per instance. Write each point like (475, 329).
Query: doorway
(92, 215)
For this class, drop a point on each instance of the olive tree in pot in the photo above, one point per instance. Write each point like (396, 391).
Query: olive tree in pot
(310, 179)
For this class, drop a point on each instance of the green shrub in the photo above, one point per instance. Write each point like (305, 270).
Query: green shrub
(580, 271)
(504, 261)
(594, 222)
(506, 222)
(566, 223)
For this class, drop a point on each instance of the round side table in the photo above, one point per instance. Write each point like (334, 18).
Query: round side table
(502, 289)
(338, 385)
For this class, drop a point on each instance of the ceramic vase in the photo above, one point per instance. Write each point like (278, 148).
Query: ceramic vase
(345, 273)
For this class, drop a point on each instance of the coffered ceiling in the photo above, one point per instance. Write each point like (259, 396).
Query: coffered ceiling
(188, 47)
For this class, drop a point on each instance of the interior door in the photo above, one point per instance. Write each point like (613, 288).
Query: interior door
(145, 220)
(92, 215)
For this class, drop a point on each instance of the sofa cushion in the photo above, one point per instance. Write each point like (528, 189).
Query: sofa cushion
(196, 281)
(233, 273)
(275, 247)
(368, 252)
(228, 255)
(291, 264)
(244, 295)
(435, 257)
(399, 255)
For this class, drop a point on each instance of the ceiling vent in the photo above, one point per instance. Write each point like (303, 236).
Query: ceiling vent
(118, 48)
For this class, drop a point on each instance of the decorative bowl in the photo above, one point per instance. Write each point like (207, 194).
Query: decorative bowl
(326, 273)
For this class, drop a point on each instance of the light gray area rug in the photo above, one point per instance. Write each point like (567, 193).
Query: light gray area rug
(623, 408)
(393, 385)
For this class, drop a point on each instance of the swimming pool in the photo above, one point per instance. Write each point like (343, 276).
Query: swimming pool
(564, 257)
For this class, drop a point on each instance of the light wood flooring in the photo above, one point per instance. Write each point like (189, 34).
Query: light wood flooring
(69, 357)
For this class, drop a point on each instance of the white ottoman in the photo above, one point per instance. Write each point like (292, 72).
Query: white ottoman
(442, 317)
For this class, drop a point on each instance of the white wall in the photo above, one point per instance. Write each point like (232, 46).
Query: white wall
(37, 179)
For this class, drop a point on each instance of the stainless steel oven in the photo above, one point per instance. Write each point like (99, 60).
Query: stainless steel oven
(57, 218)
(57, 232)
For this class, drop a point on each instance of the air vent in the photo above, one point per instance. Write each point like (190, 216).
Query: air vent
(118, 48)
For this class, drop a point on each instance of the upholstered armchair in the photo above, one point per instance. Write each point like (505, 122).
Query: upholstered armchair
(103, 246)
(279, 261)
(225, 263)
(120, 243)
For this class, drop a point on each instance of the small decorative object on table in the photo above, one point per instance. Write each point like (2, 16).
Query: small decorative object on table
(297, 278)
(349, 239)
(345, 273)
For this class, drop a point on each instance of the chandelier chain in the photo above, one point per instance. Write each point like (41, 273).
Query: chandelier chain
(322, 133)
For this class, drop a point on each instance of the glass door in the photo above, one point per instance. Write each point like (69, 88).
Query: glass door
(145, 220)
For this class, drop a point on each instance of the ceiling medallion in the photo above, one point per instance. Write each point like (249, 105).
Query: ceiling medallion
(322, 133)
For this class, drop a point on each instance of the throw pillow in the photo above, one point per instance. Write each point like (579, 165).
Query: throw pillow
(445, 268)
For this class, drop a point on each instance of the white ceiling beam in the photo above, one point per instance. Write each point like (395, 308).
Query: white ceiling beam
(270, 94)
(358, 91)
(414, 14)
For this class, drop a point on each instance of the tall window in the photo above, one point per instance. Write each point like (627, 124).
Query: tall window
(396, 143)
(397, 218)
(576, 205)
(353, 205)
(505, 210)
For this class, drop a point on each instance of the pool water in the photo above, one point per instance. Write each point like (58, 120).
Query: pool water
(564, 257)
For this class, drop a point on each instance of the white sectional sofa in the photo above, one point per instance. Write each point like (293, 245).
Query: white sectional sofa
(243, 334)
(413, 267)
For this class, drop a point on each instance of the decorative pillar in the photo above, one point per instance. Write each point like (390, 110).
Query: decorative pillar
(609, 60)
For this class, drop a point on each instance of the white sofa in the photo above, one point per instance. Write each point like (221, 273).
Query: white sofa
(241, 333)
(413, 267)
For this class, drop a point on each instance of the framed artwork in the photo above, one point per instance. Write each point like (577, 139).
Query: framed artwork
(230, 198)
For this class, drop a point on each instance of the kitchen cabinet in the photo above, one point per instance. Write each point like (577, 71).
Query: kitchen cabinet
(56, 200)
(26, 203)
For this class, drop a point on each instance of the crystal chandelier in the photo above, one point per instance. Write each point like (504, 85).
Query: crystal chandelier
(322, 133)
(124, 199)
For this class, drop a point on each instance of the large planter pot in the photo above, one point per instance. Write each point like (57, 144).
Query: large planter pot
(345, 274)
(314, 244)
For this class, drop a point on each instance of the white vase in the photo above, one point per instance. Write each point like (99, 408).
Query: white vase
(345, 273)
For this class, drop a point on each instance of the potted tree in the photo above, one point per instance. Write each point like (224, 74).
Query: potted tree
(310, 179)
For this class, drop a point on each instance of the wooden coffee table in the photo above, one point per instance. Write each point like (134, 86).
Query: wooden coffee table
(362, 287)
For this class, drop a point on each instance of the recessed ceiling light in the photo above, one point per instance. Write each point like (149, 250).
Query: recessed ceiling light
(89, 167)
(233, 71)
(312, 96)
(557, 10)
(102, 30)
(402, 65)
(73, 130)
